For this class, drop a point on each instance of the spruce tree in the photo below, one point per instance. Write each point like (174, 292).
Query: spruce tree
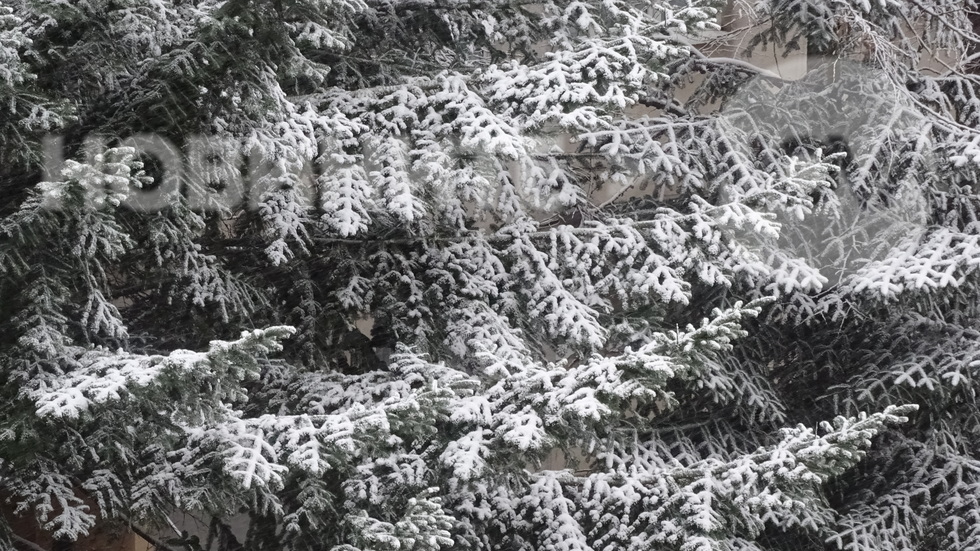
(357, 268)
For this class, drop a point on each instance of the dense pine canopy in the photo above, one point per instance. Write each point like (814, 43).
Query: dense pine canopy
(357, 268)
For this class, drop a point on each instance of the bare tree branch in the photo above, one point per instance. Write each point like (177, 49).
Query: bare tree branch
(27, 543)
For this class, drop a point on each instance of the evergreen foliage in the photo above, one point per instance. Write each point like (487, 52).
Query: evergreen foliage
(206, 355)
